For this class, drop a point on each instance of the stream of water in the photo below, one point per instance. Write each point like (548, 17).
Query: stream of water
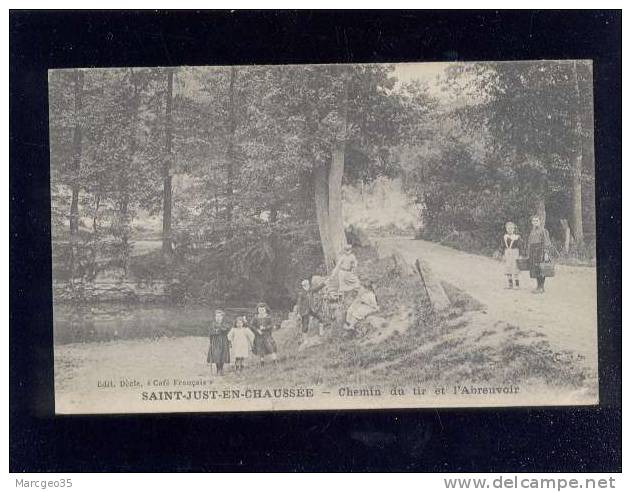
(102, 323)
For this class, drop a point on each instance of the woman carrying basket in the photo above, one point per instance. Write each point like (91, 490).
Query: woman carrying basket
(538, 252)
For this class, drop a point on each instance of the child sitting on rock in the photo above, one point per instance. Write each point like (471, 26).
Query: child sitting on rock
(363, 306)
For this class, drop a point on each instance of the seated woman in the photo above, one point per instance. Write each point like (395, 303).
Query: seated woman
(363, 306)
(344, 271)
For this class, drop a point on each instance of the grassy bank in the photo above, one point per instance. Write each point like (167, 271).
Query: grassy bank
(416, 346)
(408, 344)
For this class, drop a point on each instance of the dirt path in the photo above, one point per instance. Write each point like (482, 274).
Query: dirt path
(566, 313)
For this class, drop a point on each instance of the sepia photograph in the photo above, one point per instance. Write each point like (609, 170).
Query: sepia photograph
(321, 237)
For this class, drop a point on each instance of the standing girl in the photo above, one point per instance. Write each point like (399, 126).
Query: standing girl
(219, 349)
(538, 252)
(264, 342)
(511, 245)
(241, 340)
(306, 305)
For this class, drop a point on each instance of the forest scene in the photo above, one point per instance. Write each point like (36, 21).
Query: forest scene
(176, 191)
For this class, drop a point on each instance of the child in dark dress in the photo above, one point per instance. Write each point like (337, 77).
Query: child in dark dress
(219, 349)
(306, 304)
(264, 342)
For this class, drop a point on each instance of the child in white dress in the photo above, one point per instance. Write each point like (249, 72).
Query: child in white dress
(241, 339)
(511, 245)
(364, 305)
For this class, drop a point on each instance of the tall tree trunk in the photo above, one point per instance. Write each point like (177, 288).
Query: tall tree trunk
(577, 167)
(336, 173)
(166, 171)
(230, 163)
(306, 204)
(126, 174)
(577, 201)
(321, 195)
(95, 217)
(124, 232)
(567, 237)
(76, 168)
(336, 222)
(76, 153)
(541, 210)
(327, 185)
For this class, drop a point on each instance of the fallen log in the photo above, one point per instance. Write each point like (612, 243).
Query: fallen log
(404, 267)
(435, 292)
(418, 268)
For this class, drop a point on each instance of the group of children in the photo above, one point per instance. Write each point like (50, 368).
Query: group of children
(254, 336)
(344, 293)
(242, 339)
(537, 251)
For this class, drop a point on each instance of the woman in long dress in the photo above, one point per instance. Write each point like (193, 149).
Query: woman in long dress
(539, 245)
(344, 271)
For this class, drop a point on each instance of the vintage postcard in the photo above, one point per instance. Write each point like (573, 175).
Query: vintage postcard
(298, 237)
